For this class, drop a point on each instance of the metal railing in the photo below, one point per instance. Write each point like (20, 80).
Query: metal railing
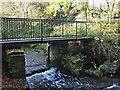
(25, 28)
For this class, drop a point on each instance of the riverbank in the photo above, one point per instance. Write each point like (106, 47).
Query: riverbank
(10, 83)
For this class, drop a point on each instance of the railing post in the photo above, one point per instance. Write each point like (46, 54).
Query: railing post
(76, 30)
(41, 29)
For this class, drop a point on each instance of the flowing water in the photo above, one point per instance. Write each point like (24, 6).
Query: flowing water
(53, 79)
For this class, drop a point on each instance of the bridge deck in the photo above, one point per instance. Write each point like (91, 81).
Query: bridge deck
(43, 40)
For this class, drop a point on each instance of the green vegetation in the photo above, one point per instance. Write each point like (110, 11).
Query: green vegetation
(98, 58)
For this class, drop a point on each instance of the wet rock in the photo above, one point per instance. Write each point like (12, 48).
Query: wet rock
(35, 69)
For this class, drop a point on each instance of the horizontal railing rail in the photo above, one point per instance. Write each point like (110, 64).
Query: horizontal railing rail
(48, 20)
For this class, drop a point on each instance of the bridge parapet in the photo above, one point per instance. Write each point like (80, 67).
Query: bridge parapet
(26, 28)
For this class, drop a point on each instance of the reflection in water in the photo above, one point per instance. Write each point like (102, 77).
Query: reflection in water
(54, 79)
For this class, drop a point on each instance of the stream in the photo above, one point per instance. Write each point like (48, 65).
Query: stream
(54, 79)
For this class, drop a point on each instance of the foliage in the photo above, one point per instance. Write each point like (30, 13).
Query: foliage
(105, 48)
(105, 68)
(74, 63)
(44, 46)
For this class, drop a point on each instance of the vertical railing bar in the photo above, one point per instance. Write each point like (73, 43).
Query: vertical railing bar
(35, 33)
(49, 26)
(15, 29)
(52, 25)
(18, 29)
(54, 30)
(23, 25)
(14, 36)
(17, 26)
(18, 23)
(12, 27)
(62, 29)
(86, 29)
(3, 32)
(44, 29)
(26, 31)
(33, 29)
(3, 29)
(28, 36)
(41, 29)
(47, 32)
(76, 30)
(1, 23)
(6, 35)
(30, 29)
(23, 28)
(70, 27)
